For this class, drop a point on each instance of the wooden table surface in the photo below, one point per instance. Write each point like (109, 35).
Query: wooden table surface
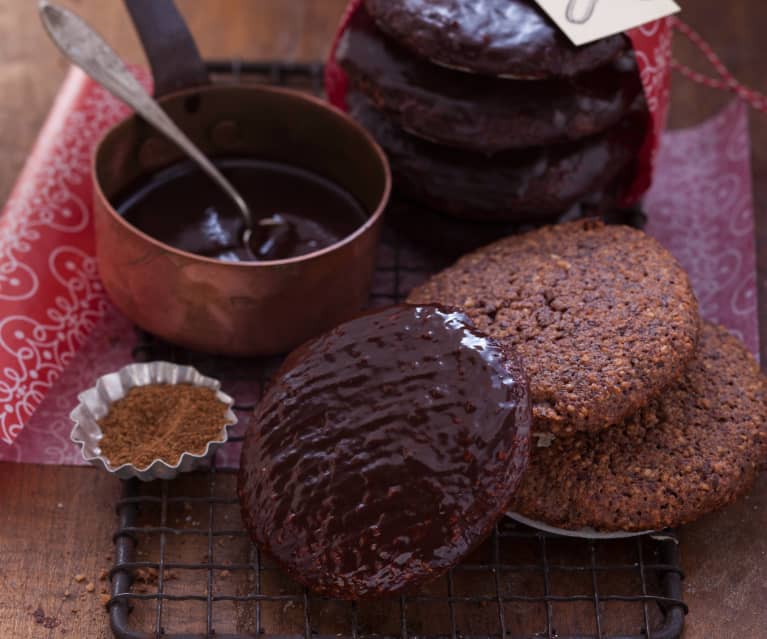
(56, 523)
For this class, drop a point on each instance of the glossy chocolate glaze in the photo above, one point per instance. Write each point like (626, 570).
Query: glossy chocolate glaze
(385, 451)
(182, 207)
(478, 112)
(527, 185)
(497, 37)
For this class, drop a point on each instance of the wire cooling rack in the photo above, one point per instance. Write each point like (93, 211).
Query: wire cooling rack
(185, 568)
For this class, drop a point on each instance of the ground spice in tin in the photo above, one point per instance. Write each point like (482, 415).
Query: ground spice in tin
(161, 421)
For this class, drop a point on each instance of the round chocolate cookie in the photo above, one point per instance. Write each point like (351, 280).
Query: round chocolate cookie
(603, 317)
(510, 38)
(530, 185)
(692, 450)
(479, 113)
(385, 451)
(451, 237)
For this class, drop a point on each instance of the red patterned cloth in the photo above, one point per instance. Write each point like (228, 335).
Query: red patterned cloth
(50, 293)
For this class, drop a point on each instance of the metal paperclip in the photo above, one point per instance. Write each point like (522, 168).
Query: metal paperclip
(580, 11)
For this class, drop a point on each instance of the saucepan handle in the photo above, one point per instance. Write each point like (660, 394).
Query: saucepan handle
(169, 46)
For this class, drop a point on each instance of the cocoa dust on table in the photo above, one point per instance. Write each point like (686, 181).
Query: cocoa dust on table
(161, 421)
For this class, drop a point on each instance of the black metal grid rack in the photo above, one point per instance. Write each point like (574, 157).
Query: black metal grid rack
(184, 568)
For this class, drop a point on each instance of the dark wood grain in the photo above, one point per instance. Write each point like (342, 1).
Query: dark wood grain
(56, 523)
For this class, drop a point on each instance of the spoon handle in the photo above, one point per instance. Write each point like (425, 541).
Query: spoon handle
(168, 44)
(86, 49)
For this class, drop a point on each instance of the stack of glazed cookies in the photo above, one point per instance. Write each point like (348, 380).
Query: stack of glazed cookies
(494, 114)
(644, 416)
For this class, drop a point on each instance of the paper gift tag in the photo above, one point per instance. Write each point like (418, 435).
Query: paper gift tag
(584, 21)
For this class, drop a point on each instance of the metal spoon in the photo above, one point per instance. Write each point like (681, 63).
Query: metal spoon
(85, 48)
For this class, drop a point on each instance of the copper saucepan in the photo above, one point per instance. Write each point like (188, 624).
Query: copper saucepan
(243, 309)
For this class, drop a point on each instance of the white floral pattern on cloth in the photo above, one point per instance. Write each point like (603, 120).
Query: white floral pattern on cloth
(45, 437)
(701, 208)
(50, 294)
(652, 48)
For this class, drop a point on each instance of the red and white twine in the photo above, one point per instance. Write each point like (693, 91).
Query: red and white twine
(726, 81)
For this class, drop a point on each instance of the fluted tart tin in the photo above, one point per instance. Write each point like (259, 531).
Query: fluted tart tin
(95, 403)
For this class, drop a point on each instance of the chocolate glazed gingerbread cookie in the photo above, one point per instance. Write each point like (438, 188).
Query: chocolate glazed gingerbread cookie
(530, 185)
(603, 317)
(511, 38)
(385, 451)
(480, 113)
(694, 449)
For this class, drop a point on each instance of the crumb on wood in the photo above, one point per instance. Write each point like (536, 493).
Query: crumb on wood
(151, 575)
(90, 587)
(190, 520)
(46, 621)
(79, 578)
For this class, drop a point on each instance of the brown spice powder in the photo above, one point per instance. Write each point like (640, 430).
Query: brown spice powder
(161, 421)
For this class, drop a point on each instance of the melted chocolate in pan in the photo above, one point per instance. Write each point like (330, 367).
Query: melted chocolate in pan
(182, 207)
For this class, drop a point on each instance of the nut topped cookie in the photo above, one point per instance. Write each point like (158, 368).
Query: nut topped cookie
(512, 38)
(692, 450)
(603, 317)
(480, 113)
(385, 451)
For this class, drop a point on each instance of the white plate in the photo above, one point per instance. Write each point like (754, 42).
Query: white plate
(583, 533)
